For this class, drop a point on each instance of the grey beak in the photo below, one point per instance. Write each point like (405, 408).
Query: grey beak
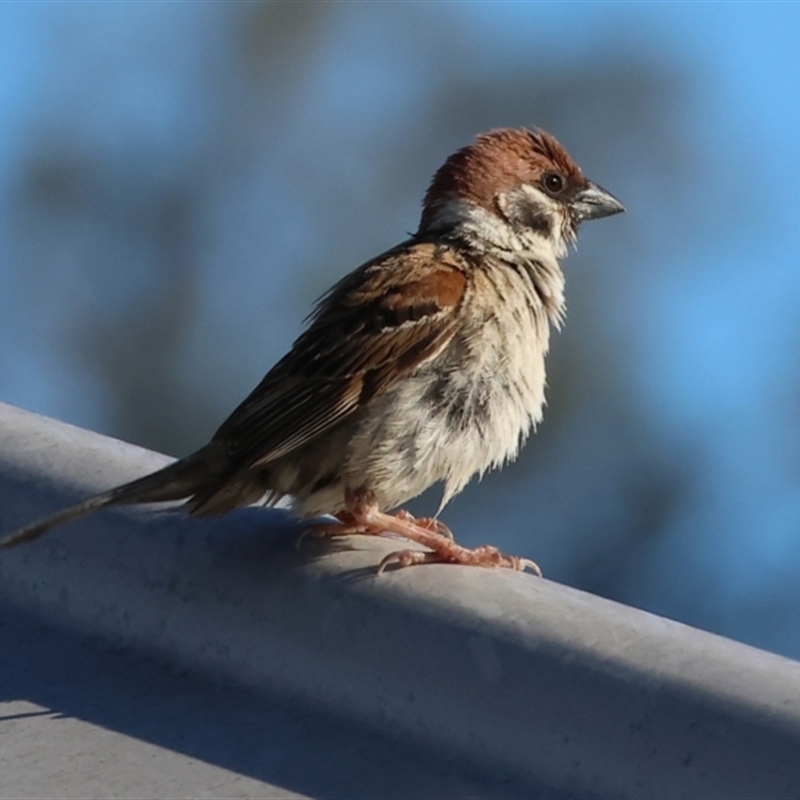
(594, 203)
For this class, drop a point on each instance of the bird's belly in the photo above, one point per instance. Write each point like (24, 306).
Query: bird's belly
(448, 423)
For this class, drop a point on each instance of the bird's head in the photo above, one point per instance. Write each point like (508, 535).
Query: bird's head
(513, 190)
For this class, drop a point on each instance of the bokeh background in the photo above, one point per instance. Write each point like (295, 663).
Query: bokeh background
(180, 181)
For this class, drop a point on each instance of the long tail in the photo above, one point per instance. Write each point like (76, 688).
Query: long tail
(174, 482)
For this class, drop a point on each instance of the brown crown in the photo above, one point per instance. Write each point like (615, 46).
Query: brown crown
(496, 162)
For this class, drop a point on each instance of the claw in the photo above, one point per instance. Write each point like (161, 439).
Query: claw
(526, 563)
(407, 558)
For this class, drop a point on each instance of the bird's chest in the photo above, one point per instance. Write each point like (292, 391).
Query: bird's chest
(489, 384)
(466, 410)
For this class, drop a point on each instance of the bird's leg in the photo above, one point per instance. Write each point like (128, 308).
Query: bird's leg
(364, 517)
(431, 523)
(346, 525)
(349, 523)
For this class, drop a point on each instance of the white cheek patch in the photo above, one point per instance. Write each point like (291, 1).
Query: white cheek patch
(542, 214)
(486, 230)
(536, 197)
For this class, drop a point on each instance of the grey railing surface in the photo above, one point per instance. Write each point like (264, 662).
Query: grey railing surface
(517, 676)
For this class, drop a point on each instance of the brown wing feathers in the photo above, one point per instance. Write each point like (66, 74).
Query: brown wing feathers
(320, 381)
(396, 312)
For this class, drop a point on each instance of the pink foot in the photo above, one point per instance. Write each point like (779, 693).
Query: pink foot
(364, 517)
(452, 553)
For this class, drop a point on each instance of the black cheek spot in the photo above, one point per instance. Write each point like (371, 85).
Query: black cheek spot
(536, 220)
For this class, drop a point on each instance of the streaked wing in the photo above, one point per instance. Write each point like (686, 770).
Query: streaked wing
(370, 331)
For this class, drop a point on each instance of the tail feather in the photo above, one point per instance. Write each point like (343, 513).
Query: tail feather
(177, 481)
(37, 529)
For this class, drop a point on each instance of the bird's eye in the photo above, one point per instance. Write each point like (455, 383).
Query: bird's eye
(553, 182)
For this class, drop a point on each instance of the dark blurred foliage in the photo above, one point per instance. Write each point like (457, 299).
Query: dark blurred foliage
(170, 263)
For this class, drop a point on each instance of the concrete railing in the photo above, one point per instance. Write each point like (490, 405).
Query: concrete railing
(516, 673)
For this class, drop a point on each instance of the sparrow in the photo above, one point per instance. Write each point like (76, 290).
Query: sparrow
(424, 365)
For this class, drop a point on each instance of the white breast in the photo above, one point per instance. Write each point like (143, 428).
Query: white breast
(471, 407)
